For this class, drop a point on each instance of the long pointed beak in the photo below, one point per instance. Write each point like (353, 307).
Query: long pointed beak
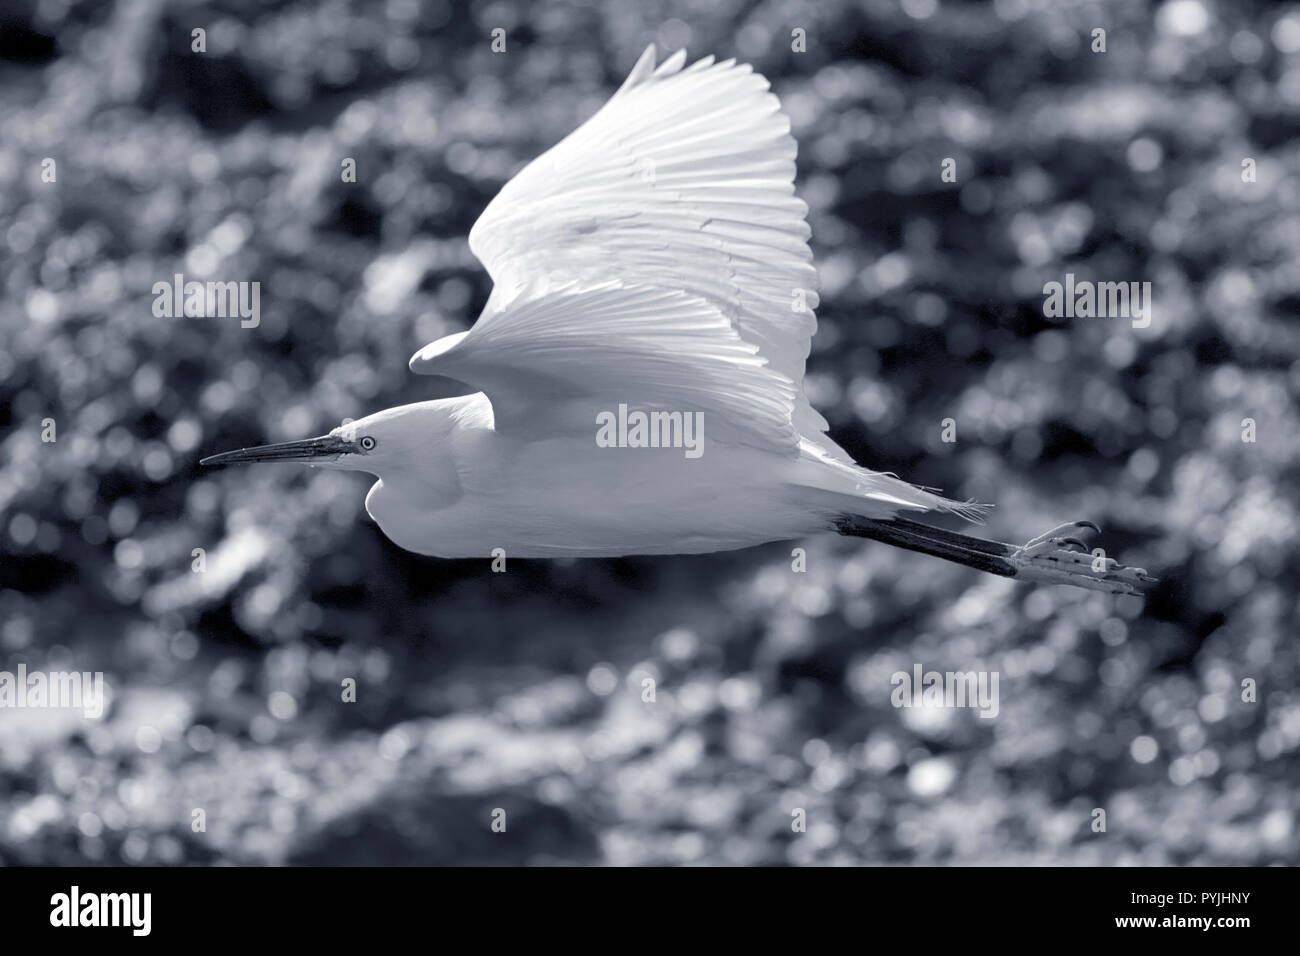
(308, 450)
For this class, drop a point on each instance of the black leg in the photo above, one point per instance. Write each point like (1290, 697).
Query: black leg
(969, 542)
(1052, 558)
(914, 536)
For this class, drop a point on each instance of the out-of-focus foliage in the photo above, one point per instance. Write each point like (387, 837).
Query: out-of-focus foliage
(524, 691)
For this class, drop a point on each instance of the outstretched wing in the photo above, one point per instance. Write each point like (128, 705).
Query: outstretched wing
(556, 357)
(658, 256)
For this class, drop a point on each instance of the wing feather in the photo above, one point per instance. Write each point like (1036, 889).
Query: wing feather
(677, 193)
(557, 359)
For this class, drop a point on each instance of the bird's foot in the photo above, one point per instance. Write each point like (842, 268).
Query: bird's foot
(1060, 557)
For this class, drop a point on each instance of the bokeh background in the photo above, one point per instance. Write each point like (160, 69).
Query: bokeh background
(523, 691)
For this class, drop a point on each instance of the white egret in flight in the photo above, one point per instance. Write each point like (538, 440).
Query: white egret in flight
(653, 286)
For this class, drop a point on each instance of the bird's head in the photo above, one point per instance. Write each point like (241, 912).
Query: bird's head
(373, 444)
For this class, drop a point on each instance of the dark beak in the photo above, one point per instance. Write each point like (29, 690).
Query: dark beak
(308, 450)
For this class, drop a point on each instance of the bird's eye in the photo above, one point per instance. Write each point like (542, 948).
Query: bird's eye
(367, 443)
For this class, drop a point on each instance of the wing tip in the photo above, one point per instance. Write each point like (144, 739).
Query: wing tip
(425, 361)
(673, 64)
(644, 69)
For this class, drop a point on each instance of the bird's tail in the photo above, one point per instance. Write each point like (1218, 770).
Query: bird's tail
(850, 489)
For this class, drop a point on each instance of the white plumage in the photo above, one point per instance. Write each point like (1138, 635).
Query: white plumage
(656, 259)
(658, 255)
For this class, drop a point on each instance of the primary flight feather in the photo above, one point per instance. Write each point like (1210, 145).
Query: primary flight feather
(640, 361)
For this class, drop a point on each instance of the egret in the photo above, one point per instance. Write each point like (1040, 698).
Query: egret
(655, 260)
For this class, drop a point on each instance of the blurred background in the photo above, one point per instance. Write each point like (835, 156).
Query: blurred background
(524, 691)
